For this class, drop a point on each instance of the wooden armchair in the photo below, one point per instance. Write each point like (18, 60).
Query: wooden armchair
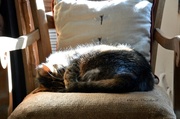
(35, 44)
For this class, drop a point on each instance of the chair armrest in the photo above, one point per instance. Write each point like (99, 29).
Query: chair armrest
(50, 20)
(169, 43)
(10, 44)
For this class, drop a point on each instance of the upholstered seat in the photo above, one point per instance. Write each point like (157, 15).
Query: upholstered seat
(137, 105)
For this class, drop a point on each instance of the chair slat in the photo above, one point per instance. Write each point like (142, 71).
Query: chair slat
(11, 44)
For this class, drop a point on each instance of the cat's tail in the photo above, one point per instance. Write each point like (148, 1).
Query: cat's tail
(119, 84)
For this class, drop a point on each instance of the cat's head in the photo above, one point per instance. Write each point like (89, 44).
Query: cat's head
(50, 77)
(45, 69)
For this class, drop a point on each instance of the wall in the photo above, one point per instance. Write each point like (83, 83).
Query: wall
(170, 27)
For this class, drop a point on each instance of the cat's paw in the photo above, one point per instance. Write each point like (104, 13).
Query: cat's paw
(50, 77)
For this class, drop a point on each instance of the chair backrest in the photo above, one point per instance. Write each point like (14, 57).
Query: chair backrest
(31, 18)
(157, 15)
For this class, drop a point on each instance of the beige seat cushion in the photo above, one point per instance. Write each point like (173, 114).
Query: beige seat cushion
(137, 105)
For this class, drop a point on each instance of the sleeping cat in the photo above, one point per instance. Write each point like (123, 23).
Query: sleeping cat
(96, 68)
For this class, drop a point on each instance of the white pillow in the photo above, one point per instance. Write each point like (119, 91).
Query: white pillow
(111, 22)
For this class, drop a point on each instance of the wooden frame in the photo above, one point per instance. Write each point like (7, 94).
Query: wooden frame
(179, 6)
(38, 49)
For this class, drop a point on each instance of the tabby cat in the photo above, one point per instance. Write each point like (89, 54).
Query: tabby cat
(96, 68)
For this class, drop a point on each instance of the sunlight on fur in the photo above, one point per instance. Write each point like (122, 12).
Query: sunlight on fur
(96, 68)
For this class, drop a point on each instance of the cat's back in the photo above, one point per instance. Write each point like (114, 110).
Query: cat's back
(113, 58)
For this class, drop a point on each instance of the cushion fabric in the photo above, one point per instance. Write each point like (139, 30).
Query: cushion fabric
(110, 22)
(136, 105)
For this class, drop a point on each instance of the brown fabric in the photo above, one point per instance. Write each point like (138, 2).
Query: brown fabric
(137, 105)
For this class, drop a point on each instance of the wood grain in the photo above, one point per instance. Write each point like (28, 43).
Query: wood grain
(40, 22)
(156, 20)
(30, 54)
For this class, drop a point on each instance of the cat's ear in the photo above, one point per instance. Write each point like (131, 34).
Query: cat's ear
(43, 70)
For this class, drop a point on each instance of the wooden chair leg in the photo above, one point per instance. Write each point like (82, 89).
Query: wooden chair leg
(176, 91)
(4, 94)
